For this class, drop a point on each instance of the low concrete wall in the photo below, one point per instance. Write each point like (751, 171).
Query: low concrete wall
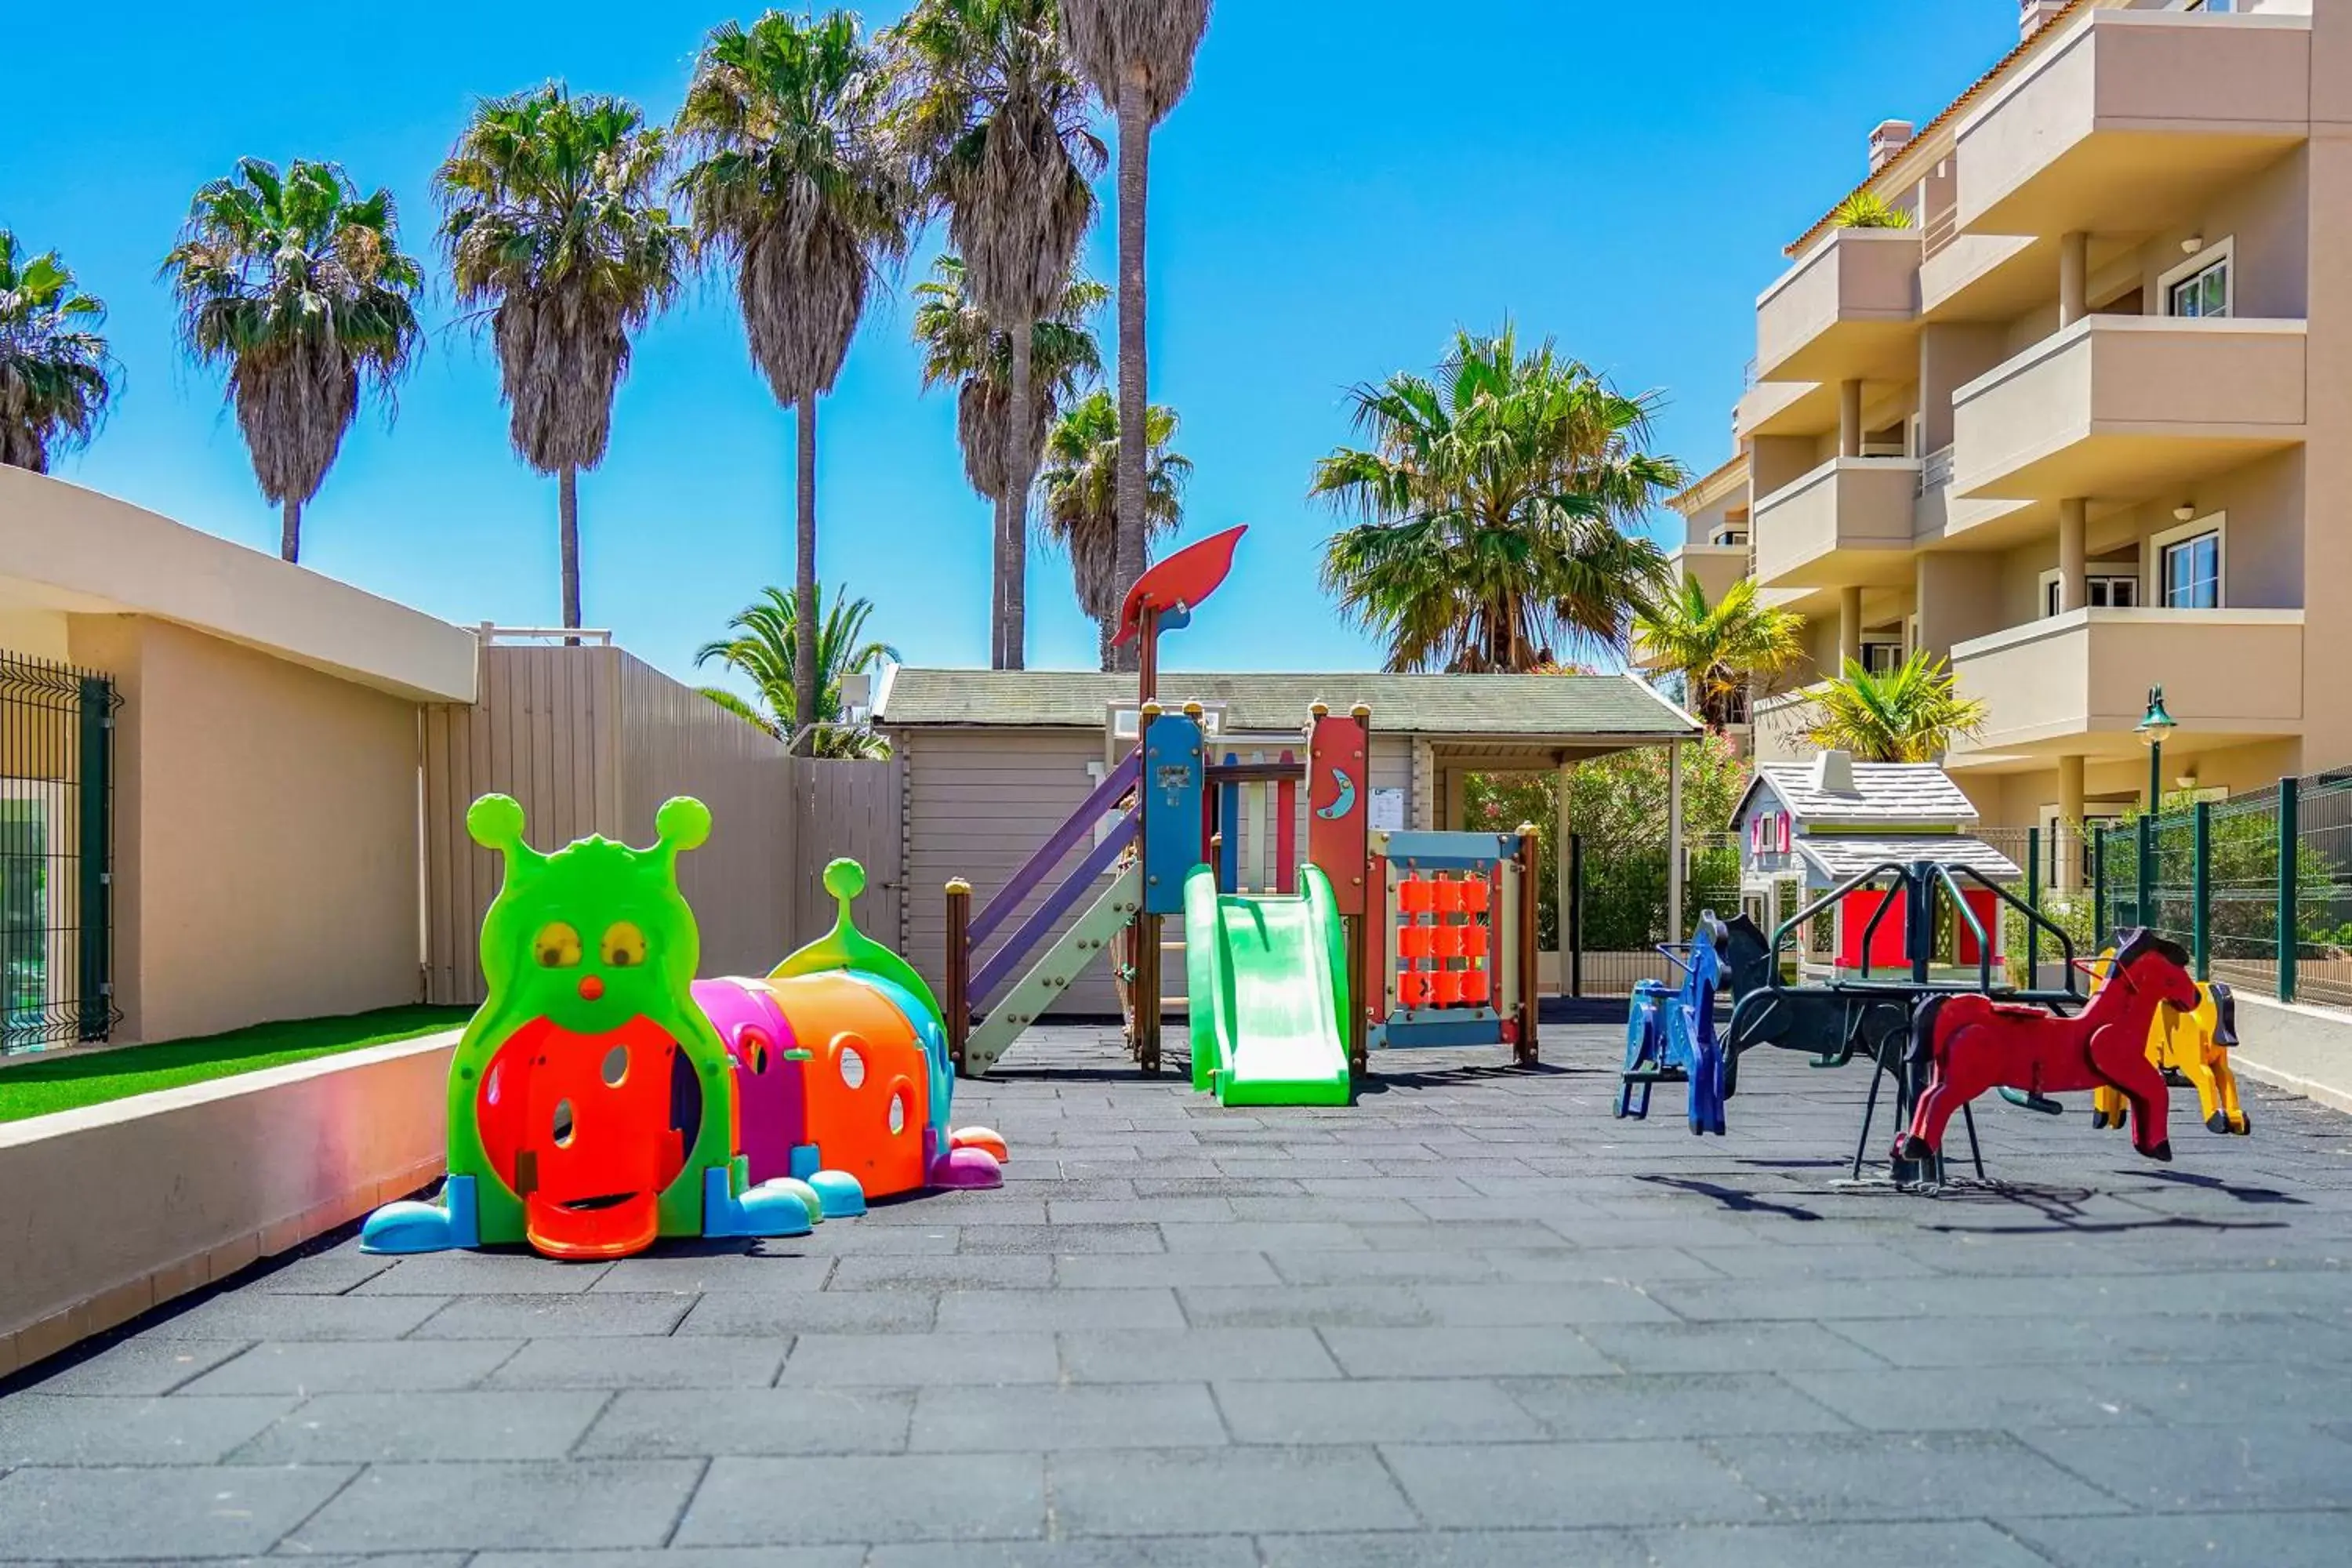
(110, 1211)
(2307, 1050)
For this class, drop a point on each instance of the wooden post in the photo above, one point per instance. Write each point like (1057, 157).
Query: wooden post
(1525, 1050)
(1358, 1001)
(957, 969)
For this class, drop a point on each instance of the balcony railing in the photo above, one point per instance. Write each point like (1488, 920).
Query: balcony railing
(1942, 229)
(1936, 470)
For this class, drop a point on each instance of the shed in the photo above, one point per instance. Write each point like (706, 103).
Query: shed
(996, 759)
(1812, 825)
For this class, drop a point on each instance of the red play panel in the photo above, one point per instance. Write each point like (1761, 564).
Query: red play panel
(1185, 578)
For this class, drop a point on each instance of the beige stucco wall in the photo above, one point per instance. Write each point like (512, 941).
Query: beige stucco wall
(266, 833)
(2327, 474)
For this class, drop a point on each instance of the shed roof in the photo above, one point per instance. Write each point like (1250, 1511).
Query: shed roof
(1597, 707)
(1889, 794)
(1838, 857)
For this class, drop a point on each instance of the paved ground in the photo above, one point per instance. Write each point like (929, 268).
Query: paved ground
(1471, 1321)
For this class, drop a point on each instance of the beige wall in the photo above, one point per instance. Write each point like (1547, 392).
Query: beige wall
(264, 834)
(2327, 476)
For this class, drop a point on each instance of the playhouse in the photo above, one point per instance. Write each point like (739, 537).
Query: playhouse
(1806, 827)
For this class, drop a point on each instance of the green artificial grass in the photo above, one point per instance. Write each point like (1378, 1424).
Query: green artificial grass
(39, 1086)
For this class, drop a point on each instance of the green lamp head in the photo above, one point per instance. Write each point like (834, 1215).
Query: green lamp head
(2157, 724)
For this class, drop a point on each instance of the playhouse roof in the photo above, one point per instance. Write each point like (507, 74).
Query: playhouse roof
(1583, 707)
(1889, 794)
(1838, 857)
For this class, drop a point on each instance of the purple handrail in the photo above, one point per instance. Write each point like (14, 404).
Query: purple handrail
(1056, 906)
(1049, 855)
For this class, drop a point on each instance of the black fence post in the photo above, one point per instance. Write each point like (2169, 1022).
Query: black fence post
(2146, 876)
(2200, 890)
(2033, 902)
(1572, 917)
(94, 864)
(2290, 841)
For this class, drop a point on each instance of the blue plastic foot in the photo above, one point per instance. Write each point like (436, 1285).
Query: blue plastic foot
(448, 1221)
(839, 1193)
(771, 1208)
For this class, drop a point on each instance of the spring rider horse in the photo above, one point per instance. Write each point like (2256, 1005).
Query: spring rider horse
(1968, 1044)
(2191, 1050)
(1670, 1032)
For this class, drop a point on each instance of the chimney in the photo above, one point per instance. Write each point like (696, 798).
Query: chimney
(2032, 15)
(1833, 772)
(1891, 137)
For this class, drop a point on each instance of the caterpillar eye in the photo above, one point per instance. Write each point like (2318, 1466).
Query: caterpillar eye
(624, 945)
(557, 946)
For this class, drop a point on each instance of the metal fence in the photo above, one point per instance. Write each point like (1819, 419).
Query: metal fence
(2257, 887)
(57, 781)
(1618, 908)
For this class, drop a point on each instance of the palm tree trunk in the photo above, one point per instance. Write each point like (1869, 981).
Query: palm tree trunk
(1106, 629)
(567, 499)
(290, 532)
(805, 629)
(1134, 379)
(998, 568)
(1019, 471)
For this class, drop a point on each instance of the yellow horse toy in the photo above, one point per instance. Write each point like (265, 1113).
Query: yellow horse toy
(2191, 1048)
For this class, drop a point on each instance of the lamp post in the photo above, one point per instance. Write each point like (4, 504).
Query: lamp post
(2152, 728)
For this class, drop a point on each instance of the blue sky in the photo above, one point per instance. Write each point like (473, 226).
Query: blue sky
(1349, 181)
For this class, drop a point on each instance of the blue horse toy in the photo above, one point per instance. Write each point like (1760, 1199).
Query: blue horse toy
(1670, 1032)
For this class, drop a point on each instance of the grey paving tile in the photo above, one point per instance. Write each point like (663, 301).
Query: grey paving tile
(1637, 1265)
(1191, 1268)
(1459, 1549)
(1261, 1235)
(849, 1240)
(1132, 1551)
(2204, 1469)
(1167, 1490)
(1976, 1398)
(737, 1313)
(1930, 1475)
(553, 1317)
(1072, 1416)
(1549, 1485)
(1193, 1209)
(679, 1363)
(1060, 1237)
(2201, 1395)
(1967, 1543)
(1015, 1207)
(1487, 1352)
(694, 1272)
(1150, 1357)
(988, 1311)
(677, 1557)
(78, 1429)
(385, 1366)
(899, 1497)
(1374, 1410)
(519, 1506)
(483, 1274)
(161, 1514)
(1726, 1347)
(1377, 1267)
(1506, 1305)
(1297, 1306)
(370, 1429)
(2275, 1538)
(328, 1273)
(653, 1424)
(962, 1271)
(1668, 1404)
(922, 1361)
(1976, 1341)
(141, 1366)
(252, 1315)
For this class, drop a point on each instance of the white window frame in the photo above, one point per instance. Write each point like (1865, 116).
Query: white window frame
(2215, 524)
(2049, 580)
(1897, 641)
(2223, 252)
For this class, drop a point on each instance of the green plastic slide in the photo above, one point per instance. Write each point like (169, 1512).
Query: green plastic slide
(1267, 983)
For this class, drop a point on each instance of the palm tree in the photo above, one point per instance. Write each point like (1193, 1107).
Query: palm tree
(766, 649)
(1494, 502)
(961, 345)
(1137, 56)
(994, 122)
(1717, 649)
(55, 372)
(794, 185)
(1910, 714)
(297, 285)
(1079, 486)
(556, 233)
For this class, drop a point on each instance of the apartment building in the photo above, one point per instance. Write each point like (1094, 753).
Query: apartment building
(2085, 425)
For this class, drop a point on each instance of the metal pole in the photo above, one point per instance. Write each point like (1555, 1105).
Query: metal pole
(2033, 901)
(2290, 839)
(2200, 890)
(2140, 916)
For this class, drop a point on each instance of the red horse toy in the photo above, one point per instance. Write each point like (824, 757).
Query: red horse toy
(1974, 1044)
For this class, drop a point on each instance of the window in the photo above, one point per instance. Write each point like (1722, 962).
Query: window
(1882, 655)
(2102, 591)
(2192, 572)
(2203, 286)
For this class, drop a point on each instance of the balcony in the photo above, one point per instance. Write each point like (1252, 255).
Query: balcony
(1715, 567)
(2133, 120)
(2128, 407)
(1782, 722)
(2077, 682)
(1784, 408)
(1847, 522)
(1845, 312)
